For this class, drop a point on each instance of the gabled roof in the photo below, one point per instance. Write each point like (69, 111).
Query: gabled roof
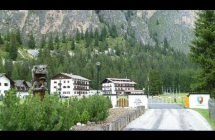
(20, 82)
(118, 80)
(4, 74)
(73, 76)
(28, 83)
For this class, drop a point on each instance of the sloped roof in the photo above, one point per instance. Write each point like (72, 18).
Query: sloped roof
(20, 83)
(74, 76)
(28, 83)
(119, 80)
(4, 74)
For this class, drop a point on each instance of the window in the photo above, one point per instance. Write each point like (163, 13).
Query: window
(68, 86)
(67, 81)
(68, 92)
(55, 87)
(55, 81)
(64, 81)
(5, 91)
(5, 84)
(64, 86)
(0, 84)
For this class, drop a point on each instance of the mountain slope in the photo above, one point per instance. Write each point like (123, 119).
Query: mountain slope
(175, 25)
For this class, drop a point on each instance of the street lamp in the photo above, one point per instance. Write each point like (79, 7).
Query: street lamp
(98, 69)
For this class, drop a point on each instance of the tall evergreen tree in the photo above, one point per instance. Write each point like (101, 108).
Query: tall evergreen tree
(2, 70)
(155, 82)
(50, 42)
(9, 67)
(202, 51)
(96, 43)
(91, 33)
(73, 44)
(64, 37)
(14, 74)
(18, 36)
(57, 38)
(1, 39)
(96, 34)
(57, 46)
(31, 41)
(13, 47)
(43, 41)
(78, 35)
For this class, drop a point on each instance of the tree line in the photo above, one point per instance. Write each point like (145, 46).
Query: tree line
(159, 67)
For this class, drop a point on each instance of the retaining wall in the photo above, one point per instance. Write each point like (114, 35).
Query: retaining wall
(211, 107)
(124, 120)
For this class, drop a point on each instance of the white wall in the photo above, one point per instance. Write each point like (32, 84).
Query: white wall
(53, 90)
(138, 100)
(194, 101)
(134, 100)
(4, 80)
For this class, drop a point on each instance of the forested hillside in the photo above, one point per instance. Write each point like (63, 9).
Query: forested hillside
(119, 57)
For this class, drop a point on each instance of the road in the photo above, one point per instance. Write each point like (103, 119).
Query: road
(155, 104)
(168, 117)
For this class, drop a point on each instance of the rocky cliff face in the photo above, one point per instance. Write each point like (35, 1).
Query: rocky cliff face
(175, 25)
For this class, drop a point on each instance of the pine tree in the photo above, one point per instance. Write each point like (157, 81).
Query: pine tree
(155, 82)
(91, 33)
(7, 49)
(104, 32)
(96, 34)
(78, 36)
(64, 37)
(18, 37)
(96, 43)
(31, 41)
(1, 39)
(50, 43)
(2, 70)
(73, 44)
(87, 35)
(202, 51)
(9, 67)
(57, 38)
(57, 46)
(43, 41)
(13, 47)
(14, 74)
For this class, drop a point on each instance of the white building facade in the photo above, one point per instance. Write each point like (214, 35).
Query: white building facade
(6, 83)
(119, 86)
(68, 85)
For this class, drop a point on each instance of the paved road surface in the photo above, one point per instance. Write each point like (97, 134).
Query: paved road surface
(155, 104)
(168, 120)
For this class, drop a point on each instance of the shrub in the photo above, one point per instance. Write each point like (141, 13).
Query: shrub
(51, 113)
